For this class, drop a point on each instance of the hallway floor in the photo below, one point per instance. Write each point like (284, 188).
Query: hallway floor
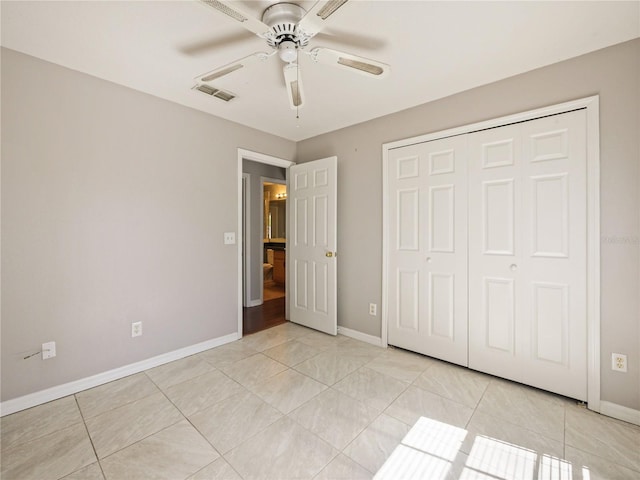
(272, 291)
(290, 402)
(267, 315)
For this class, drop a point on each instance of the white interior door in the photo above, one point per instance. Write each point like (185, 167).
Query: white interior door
(527, 253)
(312, 244)
(427, 262)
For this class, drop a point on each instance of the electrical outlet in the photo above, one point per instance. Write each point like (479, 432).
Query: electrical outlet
(618, 362)
(373, 308)
(136, 329)
(229, 238)
(48, 350)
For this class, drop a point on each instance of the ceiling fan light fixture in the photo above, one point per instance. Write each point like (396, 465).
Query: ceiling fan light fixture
(330, 8)
(362, 66)
(226, 10)
(287, 51)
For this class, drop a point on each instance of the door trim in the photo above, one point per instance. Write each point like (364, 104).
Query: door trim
(260, 158)
(592, 107)
(245, 235)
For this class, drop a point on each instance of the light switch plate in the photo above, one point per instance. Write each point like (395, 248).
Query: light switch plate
(229, 238)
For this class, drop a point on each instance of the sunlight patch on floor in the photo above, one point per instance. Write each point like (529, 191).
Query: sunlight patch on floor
(431, 447)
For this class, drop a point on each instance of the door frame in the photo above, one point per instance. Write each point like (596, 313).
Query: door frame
(245, 235)
(260, 158)
(592, 107)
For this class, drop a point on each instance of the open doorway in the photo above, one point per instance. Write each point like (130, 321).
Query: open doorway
(274, 227)
(262, 260)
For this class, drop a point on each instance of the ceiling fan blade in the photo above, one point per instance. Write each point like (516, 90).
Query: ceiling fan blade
(345, 38)
(245, 19)
(318, 16)
(353, 63)
(293, 83)
(232, 67)
(204, 46)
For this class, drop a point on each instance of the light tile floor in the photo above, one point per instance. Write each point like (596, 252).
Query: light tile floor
(294, 403)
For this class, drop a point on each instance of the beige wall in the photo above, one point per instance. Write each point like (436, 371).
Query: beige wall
(114, 205)
(614, 74)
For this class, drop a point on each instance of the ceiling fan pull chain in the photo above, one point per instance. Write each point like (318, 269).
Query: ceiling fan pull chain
(298, 82)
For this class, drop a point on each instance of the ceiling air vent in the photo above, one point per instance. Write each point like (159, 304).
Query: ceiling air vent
(214, 92)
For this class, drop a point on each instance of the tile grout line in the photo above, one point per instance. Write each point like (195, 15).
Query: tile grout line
(141, 439)
(86, 428)
(287, 415)
(598, 455)
(544, 435)
(154, 433)
(354, 439)
(383, 412)
(608, 460)
(188, 421)
(188, 379)
(40, 436)
(247, 390)
(475, 409)
(220, 454)
(564, 433)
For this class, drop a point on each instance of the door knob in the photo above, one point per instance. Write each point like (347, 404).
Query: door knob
(513, 267)
(428, 259)
(328, 254)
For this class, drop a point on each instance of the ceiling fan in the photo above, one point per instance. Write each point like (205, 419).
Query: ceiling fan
(287, 28)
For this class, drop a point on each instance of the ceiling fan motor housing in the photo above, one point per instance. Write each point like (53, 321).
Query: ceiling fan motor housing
(283, 19)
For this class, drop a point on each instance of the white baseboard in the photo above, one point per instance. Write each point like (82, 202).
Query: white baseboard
(43, 396)
(363, 337)
(620, 412)
(254, 303)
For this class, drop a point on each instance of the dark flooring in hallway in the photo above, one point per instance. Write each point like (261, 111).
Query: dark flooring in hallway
(267, 315)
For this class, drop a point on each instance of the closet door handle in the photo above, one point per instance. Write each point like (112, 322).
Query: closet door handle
(513, 267)
(428, 259)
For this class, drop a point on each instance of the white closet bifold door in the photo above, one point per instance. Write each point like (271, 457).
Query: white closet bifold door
(427, 282)
(527, 253)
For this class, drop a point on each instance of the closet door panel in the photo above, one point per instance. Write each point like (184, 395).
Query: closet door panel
(405, 269)
(495, 249)
(555, 262)
(527, 229)
(427, 308)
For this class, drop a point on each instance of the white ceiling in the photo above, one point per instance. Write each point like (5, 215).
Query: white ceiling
(435, 49)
